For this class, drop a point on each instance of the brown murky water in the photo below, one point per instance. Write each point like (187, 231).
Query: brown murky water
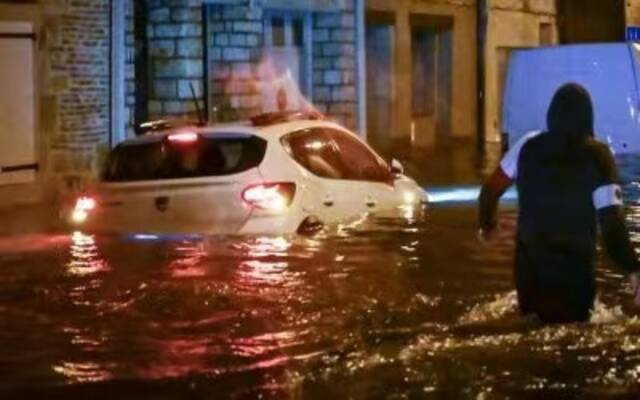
(395, 308)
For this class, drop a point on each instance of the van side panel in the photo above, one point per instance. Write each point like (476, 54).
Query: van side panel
(605, 70)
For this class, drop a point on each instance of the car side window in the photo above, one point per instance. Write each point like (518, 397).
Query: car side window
(359, 161)
(316, 152)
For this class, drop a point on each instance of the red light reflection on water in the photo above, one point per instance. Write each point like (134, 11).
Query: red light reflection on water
(85, 257)
(189, 261)
(82, 372)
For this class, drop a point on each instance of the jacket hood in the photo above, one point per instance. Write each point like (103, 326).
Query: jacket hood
(571, 113)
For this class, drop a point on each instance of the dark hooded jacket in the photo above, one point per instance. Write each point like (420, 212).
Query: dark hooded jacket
(557, 173)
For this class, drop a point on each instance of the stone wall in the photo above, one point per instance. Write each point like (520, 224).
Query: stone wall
(235, 39)
(75, 101)
(130, 72)
(175, 57)
(334, 63)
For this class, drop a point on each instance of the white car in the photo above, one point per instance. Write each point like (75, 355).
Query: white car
(281, 174)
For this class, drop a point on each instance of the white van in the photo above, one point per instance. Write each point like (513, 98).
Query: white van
(609, 72)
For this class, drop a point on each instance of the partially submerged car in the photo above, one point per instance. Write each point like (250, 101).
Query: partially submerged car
(278, 174)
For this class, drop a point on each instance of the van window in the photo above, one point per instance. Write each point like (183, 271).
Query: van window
(165, 160)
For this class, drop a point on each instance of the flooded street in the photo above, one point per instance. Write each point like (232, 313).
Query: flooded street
(383, 308)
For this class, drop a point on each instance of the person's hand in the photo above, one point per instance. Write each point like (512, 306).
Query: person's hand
(634, 279)
(488, 235)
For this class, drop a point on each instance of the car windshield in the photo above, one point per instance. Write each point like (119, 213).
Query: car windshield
(164, 159)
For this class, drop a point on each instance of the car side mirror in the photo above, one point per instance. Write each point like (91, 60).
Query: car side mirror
(396, 167)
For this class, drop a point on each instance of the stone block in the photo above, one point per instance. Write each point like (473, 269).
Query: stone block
(159, 15)
(186, 15)
(253, 40)
(507, 4)
(184, 88)
(242, 71)
(321, 63)
(178, 68)
(189, 47)
(343, 35)
(194, 29)
(543, 6)
(162, 48)
(332, 77)
(247, 27)
(322, 94)
(165, 89)
(338, 49)
(321, 35)
(221, 40)
(343, 93)
(235, 12)
(236, 54)
(154, 107)
(343, 108)
(347, 20)
(238, 39)
(328, 20)
(344, 63)
(175, 107)
(168, 30)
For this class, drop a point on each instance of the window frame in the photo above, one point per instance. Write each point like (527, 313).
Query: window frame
(326, 131)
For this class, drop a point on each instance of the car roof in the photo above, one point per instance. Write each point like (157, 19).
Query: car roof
(272, 132)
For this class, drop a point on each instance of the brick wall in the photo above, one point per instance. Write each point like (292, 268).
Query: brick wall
(334, 63)
(75, 104)
(175, 57)
(130, 73)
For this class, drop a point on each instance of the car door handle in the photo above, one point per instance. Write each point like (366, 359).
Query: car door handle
(371, 203)
(328, 202)
(162, 203)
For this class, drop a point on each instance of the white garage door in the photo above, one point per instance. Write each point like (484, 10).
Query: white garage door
(17, 108)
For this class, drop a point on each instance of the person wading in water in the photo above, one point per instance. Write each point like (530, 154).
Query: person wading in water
(566, 181)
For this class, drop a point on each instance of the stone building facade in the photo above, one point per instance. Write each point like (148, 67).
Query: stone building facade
(216, 50)
(101, 66)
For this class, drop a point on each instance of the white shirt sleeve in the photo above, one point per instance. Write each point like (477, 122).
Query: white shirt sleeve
(606, 196)
(509, 163)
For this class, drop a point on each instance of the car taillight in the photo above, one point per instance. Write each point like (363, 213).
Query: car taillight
(270, 196)
(81, 209)
(183, 137)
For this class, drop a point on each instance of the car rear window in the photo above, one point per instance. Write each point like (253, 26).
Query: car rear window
(168, 160)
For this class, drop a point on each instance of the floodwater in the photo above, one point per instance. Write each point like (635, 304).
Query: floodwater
(405, 307)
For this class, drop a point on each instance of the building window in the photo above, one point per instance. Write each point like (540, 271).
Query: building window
(288, 46)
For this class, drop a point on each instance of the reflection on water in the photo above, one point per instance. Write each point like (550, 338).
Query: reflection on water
(400, 306)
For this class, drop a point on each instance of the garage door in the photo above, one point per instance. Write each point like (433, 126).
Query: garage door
(17, 108)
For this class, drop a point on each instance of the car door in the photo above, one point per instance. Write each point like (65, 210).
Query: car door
(366, 170)
(328, 193)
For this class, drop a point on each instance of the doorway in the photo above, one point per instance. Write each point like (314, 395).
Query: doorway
(379, 39)
(431, 50)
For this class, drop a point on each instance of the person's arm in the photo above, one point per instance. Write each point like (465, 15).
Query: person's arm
(498, 183)
(490, 194)
(616, 239)
(607, 200)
